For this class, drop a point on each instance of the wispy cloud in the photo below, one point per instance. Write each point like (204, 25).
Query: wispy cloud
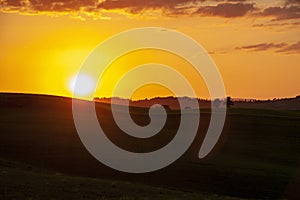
(277, 24)
(276, 47)
(293, 48)
(262, 46)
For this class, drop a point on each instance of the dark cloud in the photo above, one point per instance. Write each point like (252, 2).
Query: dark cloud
(226, 9)
(61, 5)
(12, 2)
(236, 0)
(293, 48)
(141, 4)
(232, 8)
(282, 13)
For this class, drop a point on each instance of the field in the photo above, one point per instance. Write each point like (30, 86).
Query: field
(41, 155)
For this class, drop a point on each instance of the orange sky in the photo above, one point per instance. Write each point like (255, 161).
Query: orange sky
(255, 46)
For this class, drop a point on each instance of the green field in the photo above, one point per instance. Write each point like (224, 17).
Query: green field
(42, 156)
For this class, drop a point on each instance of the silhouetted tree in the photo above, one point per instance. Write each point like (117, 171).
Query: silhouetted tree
(229, 102)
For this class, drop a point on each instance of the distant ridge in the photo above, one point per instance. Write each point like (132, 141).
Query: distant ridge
(172, 103)
(23, 99)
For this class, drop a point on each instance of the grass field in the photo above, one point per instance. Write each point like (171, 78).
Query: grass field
(42, 156)
(21, 181)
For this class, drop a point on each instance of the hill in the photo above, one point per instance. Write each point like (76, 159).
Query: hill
(257, 157)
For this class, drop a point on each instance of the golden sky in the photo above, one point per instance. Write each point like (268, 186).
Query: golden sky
(255, 44)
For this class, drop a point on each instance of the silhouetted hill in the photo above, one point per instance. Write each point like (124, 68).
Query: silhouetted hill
(257, 155)
(276, 104)
(172, 102)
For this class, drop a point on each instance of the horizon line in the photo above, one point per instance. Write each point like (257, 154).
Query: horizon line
(151, 98)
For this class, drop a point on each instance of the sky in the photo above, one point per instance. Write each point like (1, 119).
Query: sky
(255, 44)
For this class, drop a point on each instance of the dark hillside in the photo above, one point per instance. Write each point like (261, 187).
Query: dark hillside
(257, 156)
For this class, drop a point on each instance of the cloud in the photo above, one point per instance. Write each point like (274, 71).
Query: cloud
(61, 5)
(262, 46)
(92, 5)
(226, 9)
(236, 0)
(293, 48)
(282, 13)
(47, 5)
(290, 9)
(12, 2)
(277, 47)
(292, 2)
(229, 8)
(142, 4)
(294, 24)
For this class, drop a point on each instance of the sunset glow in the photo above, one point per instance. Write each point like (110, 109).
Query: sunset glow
(255, 46)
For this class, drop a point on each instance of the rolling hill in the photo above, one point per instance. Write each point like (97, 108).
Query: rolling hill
(257, 157)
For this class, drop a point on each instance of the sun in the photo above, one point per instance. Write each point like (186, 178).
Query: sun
(82, 85)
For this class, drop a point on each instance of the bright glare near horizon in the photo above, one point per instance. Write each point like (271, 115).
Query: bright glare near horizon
(82, 85)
